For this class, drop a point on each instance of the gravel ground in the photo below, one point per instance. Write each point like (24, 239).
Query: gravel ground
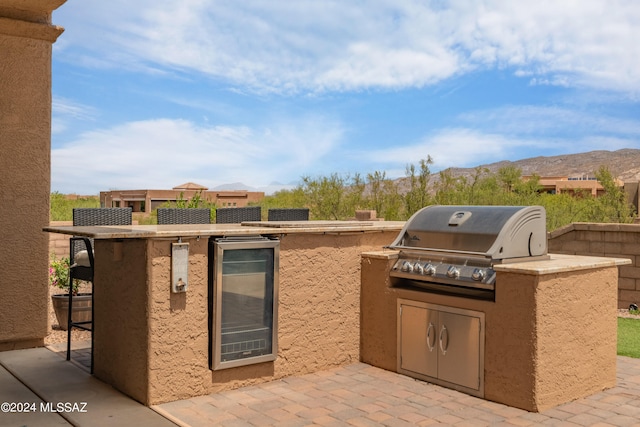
(625, 313)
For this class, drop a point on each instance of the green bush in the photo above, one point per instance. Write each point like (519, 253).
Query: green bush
(62, 207)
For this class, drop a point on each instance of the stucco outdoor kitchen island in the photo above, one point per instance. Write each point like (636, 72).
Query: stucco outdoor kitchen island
(549, 335)
(155, 344)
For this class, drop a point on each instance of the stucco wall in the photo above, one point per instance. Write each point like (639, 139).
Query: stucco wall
(606, 240)
(121, 315)
(26, 36)
(318, 322)
(576, 321)
(549, 339)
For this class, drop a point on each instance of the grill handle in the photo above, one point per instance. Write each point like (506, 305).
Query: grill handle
(444, 332)
(431, 336)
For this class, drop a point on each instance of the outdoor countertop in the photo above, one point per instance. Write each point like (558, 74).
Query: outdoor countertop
(242, 229)
(559, 263)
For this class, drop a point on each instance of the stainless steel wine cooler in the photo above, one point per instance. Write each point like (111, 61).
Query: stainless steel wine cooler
(243, 301)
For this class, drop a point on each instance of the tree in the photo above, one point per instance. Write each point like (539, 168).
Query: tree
(446, 188)
(354, 197)
(326, 196)
(482, 189)
(294, 198)
(418, 196)
(612, 206)
(384, 196)
(509, 176)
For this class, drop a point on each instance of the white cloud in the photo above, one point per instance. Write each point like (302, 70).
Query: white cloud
(455, 147)
(551, 120)
(164, 153)
(64, 111)
(333, 45)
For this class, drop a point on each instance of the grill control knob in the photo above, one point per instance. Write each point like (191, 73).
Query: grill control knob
(407, 267)
(453, 272)
(478, 274)
(429, 269)
(418, 268)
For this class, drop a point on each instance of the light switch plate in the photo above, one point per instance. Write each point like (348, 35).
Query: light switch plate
(179, 267)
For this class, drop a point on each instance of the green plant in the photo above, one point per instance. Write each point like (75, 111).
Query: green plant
(61, 208)
(628, 333)
(59, 274)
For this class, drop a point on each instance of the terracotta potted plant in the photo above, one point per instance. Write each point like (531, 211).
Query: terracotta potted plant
(59, 278)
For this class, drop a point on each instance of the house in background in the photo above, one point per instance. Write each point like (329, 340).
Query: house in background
(572, 185)
(146, 201)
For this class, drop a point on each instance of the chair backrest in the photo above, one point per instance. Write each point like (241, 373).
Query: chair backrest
(102, 216)
(288, 214)
(238, 215)
(184, 216)
(99, 216)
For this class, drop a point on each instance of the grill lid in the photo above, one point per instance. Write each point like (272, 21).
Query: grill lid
(496, 232)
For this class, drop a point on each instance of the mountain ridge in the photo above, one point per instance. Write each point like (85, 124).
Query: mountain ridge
(623, 164)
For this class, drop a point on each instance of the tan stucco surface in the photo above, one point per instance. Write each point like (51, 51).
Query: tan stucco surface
(549, 338)
(153, 345)
(26, 36)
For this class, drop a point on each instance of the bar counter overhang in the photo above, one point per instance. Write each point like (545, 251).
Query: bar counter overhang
(153, 344)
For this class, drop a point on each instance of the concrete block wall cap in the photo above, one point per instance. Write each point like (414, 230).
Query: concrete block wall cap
(593, 226)
(562, 230)
(606, 226)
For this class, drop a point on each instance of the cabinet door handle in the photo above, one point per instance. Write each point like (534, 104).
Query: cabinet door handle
(444, 334)
(431, 336)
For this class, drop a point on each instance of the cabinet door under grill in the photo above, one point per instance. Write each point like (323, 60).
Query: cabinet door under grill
(418, 352)
(459, 348)
(443, 345)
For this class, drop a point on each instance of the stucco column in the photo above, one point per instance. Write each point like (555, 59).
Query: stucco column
(26, 38)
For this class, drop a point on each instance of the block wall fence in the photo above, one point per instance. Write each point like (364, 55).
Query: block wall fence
(59, 243)
(589, 239)
(605, 240)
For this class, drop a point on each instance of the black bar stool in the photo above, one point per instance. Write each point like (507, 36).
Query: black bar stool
(81, 259)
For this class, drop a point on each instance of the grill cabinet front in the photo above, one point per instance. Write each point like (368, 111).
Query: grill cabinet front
(443, 345)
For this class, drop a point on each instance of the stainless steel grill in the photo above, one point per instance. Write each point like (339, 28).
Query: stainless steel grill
(453, 249)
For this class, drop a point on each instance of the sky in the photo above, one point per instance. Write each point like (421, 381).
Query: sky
(152, 94)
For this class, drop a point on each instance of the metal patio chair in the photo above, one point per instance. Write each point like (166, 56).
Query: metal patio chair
(81, 259)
